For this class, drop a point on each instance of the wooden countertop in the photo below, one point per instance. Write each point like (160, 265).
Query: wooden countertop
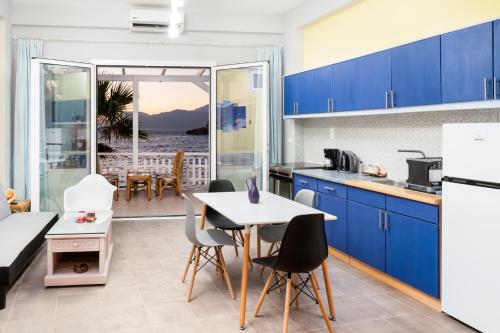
(427, 198)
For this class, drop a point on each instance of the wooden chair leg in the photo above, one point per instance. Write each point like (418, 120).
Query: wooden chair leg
(320, 303)
(190, 258)
(263, 294)
(296, 282)
(226, 274)
(219, 263)
(195, 267)
(287, 303)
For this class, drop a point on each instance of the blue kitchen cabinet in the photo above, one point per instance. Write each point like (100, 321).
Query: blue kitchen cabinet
(291, 91)
(336, 231)
(372, 81)
(365, 234)
(416, 73)
(467, 64)
(412, 252)
(496, 57)
(315, 95)
(343, 86)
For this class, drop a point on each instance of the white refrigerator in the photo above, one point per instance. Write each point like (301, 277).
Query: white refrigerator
(470, 284)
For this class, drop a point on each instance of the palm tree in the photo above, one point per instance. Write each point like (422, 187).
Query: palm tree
(113, 114)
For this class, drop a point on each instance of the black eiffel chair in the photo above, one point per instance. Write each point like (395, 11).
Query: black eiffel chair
(218, 220)
(303, 249)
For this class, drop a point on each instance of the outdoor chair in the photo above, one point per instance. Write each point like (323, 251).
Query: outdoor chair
(174, 180)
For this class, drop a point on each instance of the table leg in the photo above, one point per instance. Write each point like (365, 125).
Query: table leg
(149, 189)
(203, 214)
(128, 190)
(244, 276)
(328, 286)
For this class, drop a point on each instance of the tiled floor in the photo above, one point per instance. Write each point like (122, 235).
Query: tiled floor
(144, 294)
(169, 205)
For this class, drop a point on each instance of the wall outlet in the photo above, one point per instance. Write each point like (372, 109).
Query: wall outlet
(332, 133)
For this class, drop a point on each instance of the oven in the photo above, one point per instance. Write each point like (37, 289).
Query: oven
(281, 177)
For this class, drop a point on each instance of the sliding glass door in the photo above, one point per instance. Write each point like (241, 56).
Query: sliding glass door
(62, 129)
(239, 123)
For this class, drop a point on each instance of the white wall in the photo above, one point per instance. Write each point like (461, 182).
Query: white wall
(5, 84)
(86, 32)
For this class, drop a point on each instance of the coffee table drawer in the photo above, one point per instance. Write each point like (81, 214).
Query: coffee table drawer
(75, 245)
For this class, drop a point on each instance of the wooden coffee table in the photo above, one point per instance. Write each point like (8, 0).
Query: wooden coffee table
(70, 243)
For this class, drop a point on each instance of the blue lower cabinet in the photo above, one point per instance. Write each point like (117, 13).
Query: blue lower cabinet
(365, 234)
(412, 252)
(336, 231)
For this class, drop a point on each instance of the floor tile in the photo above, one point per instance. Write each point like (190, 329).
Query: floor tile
(169, 312)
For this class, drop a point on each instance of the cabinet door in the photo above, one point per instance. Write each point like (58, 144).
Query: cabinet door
(336, 231)
(290, 90)
(496, 57)
(412, 252)
(372, 80)
(416, 73)
(365, 235)
(316, 90)
(466, 62)
(343, 86)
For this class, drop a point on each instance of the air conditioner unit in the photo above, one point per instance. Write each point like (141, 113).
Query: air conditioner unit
(149, 20)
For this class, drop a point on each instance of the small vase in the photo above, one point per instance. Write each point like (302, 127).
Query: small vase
(253, 192)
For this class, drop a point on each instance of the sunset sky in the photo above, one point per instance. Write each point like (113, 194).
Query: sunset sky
(157, 97)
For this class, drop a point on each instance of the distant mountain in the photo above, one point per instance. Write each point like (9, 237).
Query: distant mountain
(175, 119)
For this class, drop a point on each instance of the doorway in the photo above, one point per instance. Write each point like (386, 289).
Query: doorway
(147, 117)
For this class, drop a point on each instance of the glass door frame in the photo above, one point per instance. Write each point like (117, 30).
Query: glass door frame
(35, 109)
(265, 120)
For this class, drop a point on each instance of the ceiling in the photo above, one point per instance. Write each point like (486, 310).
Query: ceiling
(234, 6)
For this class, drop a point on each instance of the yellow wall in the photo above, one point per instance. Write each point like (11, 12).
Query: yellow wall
(373, 25)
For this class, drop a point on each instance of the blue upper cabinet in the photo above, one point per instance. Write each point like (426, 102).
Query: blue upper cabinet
(416, 73)
(372, 80)
(467, 64)
(412, 248)
(496, 57)
(291, 90)
(315, 97)
(343, 87)
(365, 234)
(336, 231)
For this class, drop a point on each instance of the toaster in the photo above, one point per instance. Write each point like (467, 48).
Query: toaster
(424, 174)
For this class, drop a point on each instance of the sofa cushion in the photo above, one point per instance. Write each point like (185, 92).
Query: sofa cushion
(4, 206)
(18, 230)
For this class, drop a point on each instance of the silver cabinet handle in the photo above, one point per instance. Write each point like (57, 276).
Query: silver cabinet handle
(380, 222)
(328, 188)
(303, 182)
(328, 105)
(392, 99)
(297, 107)
(386, 221)
(485, 88)
(386, 99)
(333, 105)
(294, 107)
(316, 197)
(494, 87)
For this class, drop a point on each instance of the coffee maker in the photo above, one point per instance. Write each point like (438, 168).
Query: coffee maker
(332, 158)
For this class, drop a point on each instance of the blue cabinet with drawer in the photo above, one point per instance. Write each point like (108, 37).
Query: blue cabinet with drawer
(412, 252)
(416, 73)
(365, 234)
(336, 231)
(304, 182)
(317, 99)
(467, 64)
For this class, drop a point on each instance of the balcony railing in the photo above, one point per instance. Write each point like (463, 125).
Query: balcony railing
(195, 166)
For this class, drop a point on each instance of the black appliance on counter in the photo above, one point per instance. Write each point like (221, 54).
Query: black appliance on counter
(349, 162)
(332, 158)
(424, 174)
(281, 177)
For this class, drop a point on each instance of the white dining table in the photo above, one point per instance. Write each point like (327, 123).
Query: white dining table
(271, 209)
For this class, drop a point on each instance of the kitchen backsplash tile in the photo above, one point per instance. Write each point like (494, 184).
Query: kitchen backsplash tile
(377, 138)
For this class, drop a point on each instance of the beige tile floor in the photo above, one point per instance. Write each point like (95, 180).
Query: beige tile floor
(144, 294)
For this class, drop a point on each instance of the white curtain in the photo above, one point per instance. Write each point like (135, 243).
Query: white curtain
(26, 49)
(274, 56)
